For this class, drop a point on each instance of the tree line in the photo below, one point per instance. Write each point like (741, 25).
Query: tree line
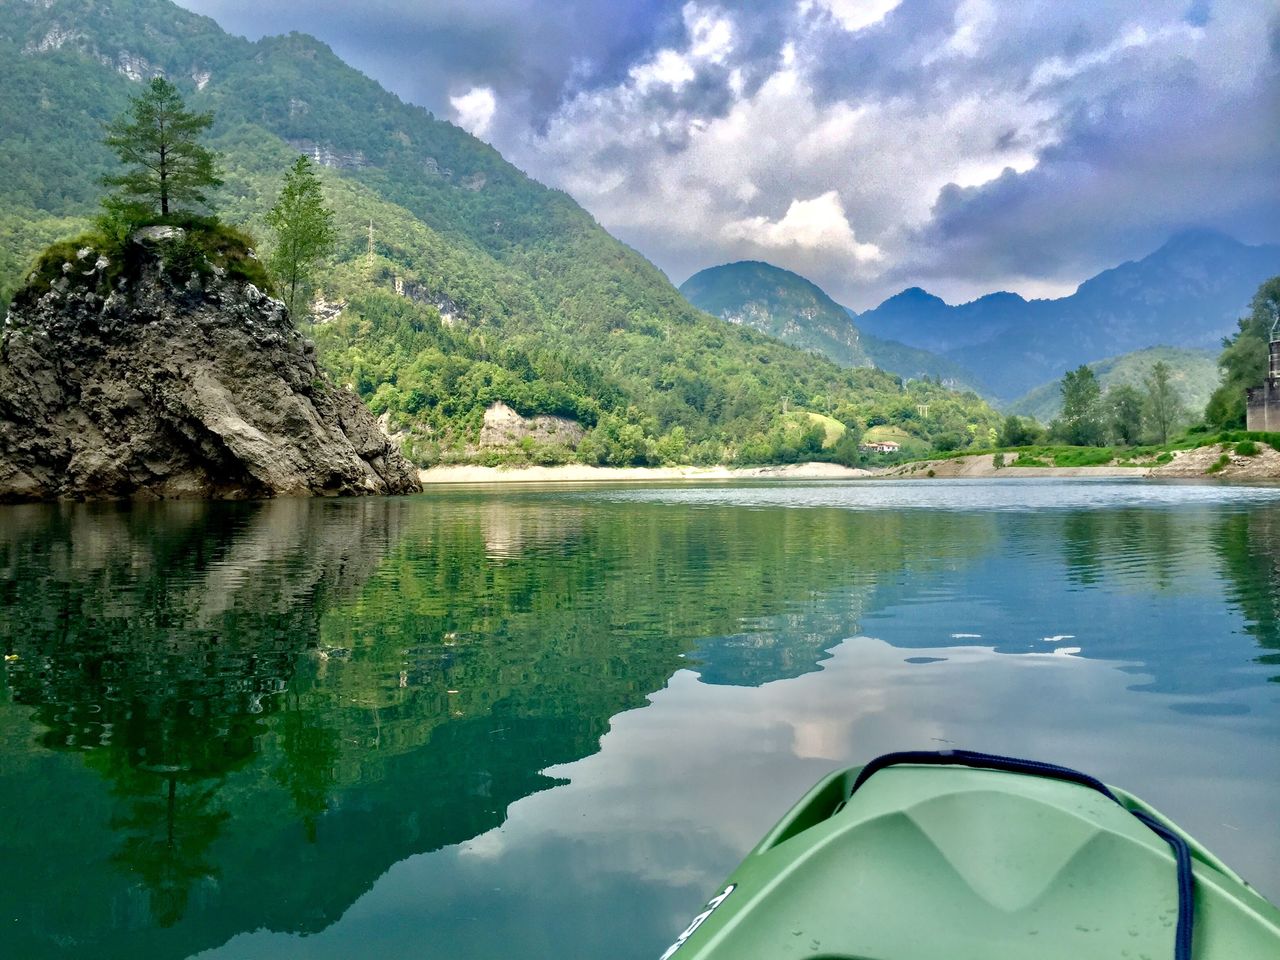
(1124, 414)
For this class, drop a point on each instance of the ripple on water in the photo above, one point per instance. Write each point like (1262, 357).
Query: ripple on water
(1015, 495)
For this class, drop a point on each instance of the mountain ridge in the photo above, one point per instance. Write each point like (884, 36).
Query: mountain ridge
(789, 306)
(1186, 293)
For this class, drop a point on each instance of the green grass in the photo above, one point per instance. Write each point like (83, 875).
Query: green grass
(1025, 459)
(833, 427)
(1218, 465)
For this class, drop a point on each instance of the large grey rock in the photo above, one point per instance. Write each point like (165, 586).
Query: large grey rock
(156, 387)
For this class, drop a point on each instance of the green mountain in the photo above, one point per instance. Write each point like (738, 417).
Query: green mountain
(1195, 375)
(482, 285)
(780, 303)
(787, 306)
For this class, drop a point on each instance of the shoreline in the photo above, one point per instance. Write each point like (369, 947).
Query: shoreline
(580, 473)
(1187, 464)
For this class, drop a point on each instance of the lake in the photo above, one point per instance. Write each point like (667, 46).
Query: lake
(532, 722)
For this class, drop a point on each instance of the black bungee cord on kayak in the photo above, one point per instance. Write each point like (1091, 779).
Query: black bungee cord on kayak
(990, 761)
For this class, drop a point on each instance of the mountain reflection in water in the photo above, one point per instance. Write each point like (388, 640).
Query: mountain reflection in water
(228, 718)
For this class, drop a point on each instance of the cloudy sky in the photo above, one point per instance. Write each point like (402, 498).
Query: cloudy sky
(960, 145)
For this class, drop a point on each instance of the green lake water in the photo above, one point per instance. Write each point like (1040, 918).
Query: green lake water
(547, 722)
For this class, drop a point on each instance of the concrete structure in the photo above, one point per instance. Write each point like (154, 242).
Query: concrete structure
(1263, 403)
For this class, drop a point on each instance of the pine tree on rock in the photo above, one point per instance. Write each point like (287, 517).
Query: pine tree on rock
(304, 233)
(157, 139)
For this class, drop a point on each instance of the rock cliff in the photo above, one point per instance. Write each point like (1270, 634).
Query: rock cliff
(161, 371)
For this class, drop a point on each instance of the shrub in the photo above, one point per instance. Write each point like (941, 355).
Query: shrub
(1247, 448)
(1027, 460)
(1218, 465)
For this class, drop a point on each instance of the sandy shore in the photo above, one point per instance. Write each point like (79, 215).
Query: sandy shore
(1186, 464)
(576, 473)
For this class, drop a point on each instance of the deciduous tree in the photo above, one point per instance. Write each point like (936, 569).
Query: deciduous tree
(1081, 413)
(1164, 407)
(1244, 358)
(304, 233)
(1125, 402)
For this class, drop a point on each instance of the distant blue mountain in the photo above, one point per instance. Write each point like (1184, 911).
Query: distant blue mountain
(1188, 293)
(787, 306)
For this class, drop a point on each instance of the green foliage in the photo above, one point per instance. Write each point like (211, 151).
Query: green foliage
(1025, 459)
(1125, 406)
(1019, 432)
(1247, 448)
(157, 140)
(1193, 373)
(1220, 464)
(1084, 457)
(304, 234)
(1244, 359)
(206, 245)
(1163, 407)
(1081, 421)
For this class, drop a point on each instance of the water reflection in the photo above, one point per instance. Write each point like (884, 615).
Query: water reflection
(241, 716)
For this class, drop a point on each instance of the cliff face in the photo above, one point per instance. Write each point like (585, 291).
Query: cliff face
(169, 376)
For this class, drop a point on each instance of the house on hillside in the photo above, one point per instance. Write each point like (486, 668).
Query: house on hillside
(880, 446)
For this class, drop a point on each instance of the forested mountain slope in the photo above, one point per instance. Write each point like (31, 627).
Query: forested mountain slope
(787, 306)
(483, 285)
(1194, 374)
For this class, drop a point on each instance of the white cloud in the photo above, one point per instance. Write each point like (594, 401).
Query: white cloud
(667, 68)
(708, 151)
(710, 33)
(973, 21)
(816, 224)
(474, 110)
(853, 15)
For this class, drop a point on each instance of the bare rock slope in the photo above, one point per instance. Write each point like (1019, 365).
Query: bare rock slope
(170, 375)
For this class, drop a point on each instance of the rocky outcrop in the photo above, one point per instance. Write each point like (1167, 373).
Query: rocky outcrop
(503, 427)
(171, 375)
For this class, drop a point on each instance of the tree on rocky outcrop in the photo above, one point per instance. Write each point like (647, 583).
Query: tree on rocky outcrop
(304, 233)
(157, 139)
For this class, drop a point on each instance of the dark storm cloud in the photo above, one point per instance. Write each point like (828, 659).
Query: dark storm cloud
(1157, 153)
(523, 49)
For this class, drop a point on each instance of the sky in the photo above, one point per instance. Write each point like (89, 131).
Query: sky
(964, 146)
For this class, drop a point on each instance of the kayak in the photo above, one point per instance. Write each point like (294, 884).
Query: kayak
(970, 856)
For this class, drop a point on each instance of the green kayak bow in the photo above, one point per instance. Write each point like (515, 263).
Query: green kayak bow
(967, 856)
